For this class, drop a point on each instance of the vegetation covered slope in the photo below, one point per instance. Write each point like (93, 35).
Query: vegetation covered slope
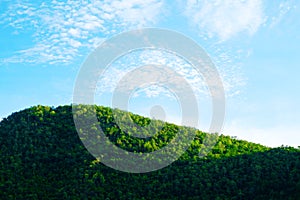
(42, 157)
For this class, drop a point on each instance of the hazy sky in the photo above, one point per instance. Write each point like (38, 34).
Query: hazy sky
(254, 45)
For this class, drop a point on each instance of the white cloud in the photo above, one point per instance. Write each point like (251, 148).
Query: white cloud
(228, 63)
(75, 32)
(230, 75)
(225, 19)
(126, 64)
(67, 28)
(153, 91)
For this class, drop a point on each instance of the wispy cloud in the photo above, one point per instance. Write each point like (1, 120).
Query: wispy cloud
(281, 11)
(61, 30)
(228, 62)
(109, 80)
(225, 19)
(126, 65)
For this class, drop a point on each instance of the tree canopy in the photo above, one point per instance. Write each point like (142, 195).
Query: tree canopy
(42, 157)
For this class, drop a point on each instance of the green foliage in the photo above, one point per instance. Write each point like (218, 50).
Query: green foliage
(42, 157)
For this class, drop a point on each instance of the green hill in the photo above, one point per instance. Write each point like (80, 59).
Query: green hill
(42, 157)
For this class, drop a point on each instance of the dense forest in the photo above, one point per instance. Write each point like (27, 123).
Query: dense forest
(43, 157)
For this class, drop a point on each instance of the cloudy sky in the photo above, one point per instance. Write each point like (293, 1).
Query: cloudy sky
(254, 45)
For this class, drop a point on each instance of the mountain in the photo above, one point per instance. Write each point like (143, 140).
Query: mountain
(42, 157)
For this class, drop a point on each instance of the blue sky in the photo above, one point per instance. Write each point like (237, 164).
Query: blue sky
(254, 44)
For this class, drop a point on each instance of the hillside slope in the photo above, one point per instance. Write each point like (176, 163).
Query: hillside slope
(42, 157)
